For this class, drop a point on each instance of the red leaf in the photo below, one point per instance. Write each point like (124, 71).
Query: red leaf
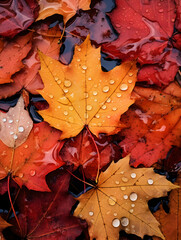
(47, 215)
(17, 15)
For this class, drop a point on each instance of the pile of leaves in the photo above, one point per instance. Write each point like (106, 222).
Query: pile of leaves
(90, 119)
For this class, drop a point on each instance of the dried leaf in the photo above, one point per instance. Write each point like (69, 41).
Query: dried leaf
(119, 201)
(67, 8)
(80, 94)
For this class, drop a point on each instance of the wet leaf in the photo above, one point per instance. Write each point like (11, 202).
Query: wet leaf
(67, 8)
(12, 55)
(16, 16)
(3, 225)
(154, 126)
(119, 201)
(24, 154)
(173, 218)
(81, 95)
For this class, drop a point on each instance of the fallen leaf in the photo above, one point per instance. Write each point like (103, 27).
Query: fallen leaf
(81, 152)
(119, 201)
(170, 223)
(3, 225)
(47, 215)
(178, 18)
(80, 94)
(67, 8)
(153, 126)
(24, 154)
(12, 55)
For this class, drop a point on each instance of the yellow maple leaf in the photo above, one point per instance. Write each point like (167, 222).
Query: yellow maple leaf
(67, 8)
(119, 201)
(82, 94)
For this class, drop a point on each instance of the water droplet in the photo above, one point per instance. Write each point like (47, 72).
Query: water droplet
(86, 116)
(20, 175)
(71, 108)
(108, 212)
(130, 74)
(133, 175)
(116, 222)
(32, 173)
(89, 107)
(105, 89)
(111, 82)
(63, 100)
(124, 87)
(84, 67)
(124, 179)
(78, 59)
(91, 214)
(115, 214)
(131, 210)
(65, 90)
(95, 100)
(108, 116)
(117, 182)
(50, 96)
(123, 188)
(125, 196)
(59, 82)
(130, 81)
(79, 49)
(104, 107)
(67, 83)
(86, 95)
(11, 132)
(26, 146)
(108, 100)
(160, 10)
(133, 196)
(132, 205)
(118, 95)
(15, 137)
(21, 129)
(4, 119)
(150, 181)
(83, 71)
(97, 116)
(10, 121)
(114, 108)
(112, 200)
(65, 113)
(124, 221)
(89, 78)
(122, 172)
(56, 79)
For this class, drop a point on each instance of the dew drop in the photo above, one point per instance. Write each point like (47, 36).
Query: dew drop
(115, 214)
(65, 113)
(112, 200)
(108, 100)
(26, 146)
(10, 121)
(133, 196)
(50, 96)
(104, 107)
(89, 78)
(111, 82)
(105, 89)
(124, 179)
(130, 74)
(4, 119)
(83, 71)
(15, 137)
(78, 59)
(56, 79)
(133, 175)
(65, 90)
(89, 107)
(86, 116)
(67, 83)
(32, 173)
(84, 67)
(150, 181)
(118, 95)
(59, 82)
(124, 221)
(108, 116)
(94, 93)
(160, 10)
(124, 87)
(125, 196)
(20, 175)
(71, 108)
(91, 214)
(21, 129)
(131, 210)
(11, 132)
(97, 116)
(86, 95)
(132, 205)
(123, 188)
(116, 222)
(117, 182)
(114, 108)
(130, 81)
(79, 49)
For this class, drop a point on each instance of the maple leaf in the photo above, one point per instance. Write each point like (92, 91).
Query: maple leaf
(67, 8)
(81, 152)
(82, 94)
(17, 15)
(119, 201)
(173, 218)
(153, 127)
(12, 55)
(24, 154)
(3, 225)
(47, 215)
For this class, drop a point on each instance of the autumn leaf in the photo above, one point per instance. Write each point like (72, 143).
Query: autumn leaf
(173, 218)
(12, 55)
(24, 154)
(16, 16)
(81, 152)
(82, 94)
(67, 8)
(47, 215)
(3, 225)
(119, 201)
(153, 126)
